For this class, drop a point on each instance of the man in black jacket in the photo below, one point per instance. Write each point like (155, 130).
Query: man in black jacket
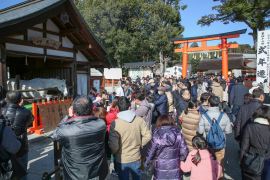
(237, 94)
(9, 146)
(82, 137)
(180, 100)
(246, 111)
(19, 119)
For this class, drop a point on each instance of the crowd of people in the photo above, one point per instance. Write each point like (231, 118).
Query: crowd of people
(164, 127)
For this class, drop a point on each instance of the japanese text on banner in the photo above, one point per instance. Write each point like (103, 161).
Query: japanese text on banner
(263, 57)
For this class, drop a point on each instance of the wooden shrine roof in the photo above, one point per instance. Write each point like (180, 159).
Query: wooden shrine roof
(235, 61)
(18, 18)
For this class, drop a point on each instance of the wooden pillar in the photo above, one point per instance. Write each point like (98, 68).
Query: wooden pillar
(3, 67)
(225, 66)
(88, 79)
(185, 60)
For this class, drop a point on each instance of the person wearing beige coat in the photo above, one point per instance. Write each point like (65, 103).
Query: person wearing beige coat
(190, 122)
(217, 89)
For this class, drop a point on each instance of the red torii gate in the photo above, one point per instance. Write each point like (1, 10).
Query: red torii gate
(224, 46)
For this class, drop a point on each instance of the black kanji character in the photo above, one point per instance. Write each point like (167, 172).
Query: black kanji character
(261, 61)
(262, 49)
(261, 74)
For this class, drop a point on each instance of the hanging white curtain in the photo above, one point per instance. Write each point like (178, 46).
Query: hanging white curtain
(82, 84)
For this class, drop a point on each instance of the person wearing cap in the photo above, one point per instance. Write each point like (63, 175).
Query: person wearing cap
(255, 85)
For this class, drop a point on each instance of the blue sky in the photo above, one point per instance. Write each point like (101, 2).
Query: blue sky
(198, 8)
(190, 16)
(7, 3)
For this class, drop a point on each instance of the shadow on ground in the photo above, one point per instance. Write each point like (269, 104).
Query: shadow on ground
(40, 158)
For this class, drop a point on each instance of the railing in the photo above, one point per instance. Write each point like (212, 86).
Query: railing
(47, 114)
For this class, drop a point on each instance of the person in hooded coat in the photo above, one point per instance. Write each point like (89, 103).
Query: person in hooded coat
(142, 108)
(167, 148)
(128, 135)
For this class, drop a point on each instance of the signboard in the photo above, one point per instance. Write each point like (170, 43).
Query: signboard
(112, 73)
(263, 57)
(46, 42)
(134, 73)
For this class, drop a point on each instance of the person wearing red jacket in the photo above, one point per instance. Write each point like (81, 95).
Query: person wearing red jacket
(112, 114)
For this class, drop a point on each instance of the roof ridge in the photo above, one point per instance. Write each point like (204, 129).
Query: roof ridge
(19, 5)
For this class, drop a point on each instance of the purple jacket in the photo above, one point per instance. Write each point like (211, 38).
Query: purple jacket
(168, 148)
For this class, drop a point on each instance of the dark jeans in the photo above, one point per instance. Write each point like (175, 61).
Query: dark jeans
(125, 169)
(23, 161)
(266, 171)
(235, 109)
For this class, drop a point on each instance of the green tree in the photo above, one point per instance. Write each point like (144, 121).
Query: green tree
(134, 30)
(254, 13)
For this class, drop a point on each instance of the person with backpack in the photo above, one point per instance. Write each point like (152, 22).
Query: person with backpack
(200, 162)
(214, 124)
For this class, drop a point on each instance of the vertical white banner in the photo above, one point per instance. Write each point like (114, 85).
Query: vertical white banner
(263, 57)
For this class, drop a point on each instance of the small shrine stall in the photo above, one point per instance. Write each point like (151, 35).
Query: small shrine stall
(140, 69)
(243, 64)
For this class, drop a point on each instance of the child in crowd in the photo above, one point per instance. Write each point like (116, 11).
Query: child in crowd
(200, 162)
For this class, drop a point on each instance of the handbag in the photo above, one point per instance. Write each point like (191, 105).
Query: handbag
(253, 163)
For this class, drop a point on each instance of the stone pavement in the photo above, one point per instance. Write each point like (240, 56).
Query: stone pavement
(41, 158)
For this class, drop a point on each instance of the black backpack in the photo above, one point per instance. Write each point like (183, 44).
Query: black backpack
(5, 157)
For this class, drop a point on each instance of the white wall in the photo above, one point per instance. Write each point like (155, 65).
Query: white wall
(81, 57)
(133, 73)
(67, 43)
(31, 34)
(22, 48)
(51, 26)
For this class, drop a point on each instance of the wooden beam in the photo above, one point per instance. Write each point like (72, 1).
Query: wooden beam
(42, 30)
(207, 48)
(82, 46)
(207, 39)
(19, 54)
(231, 46)
(29, 43)
(69, 31)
